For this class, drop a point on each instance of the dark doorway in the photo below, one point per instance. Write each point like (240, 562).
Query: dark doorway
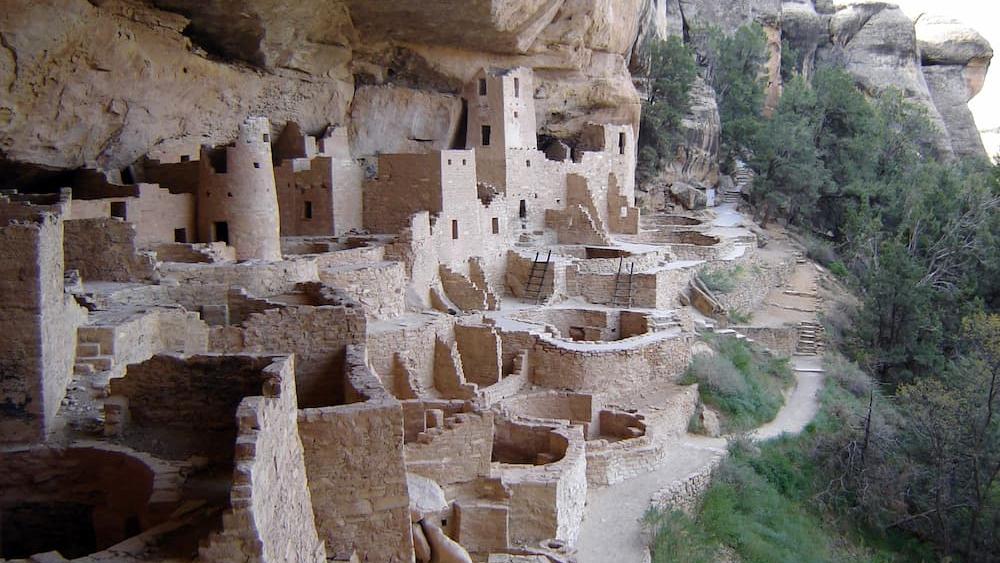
(180, 235)
(486, 135)
(522, 210)
(221, 232)
(37, 527)
(307, 210)
(621, 143)
(118, 209)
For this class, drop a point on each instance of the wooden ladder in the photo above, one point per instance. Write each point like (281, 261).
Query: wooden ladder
(622, 294)
(536, 278)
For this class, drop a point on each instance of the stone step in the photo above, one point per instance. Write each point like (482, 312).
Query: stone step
(100, 363)
(87, 349)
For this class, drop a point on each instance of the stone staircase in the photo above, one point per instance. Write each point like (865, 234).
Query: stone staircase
(742, 182)
(810, 339)
(663, 321)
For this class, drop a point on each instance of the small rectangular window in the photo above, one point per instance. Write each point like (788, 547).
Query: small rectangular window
(454, 229)
(621, 143)
(527, 163)
(482, 86)
(515, 114)
(180, 235)
(256, 165)
(307, 210)
(449, 162)
(517, 88)
(185, 158)
(267, 138)
(522, 209)
(118, 209)
(221, 229)
(486, 135)
(496, 226)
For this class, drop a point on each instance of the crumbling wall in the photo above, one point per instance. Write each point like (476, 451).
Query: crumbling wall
(187, 405)
(357, 476)
(106, 250)
(457, 451)
(379, 287)
(271, 508)
(479, 348)
(317, 335)
(406, 184)
(413, 342)
(758, 279)
(156, 212)
(39, 318)
(199, 284)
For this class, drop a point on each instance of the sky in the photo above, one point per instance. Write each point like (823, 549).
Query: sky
(984, 17)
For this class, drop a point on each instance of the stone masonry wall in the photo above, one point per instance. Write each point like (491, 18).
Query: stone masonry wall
(357, 477)
(106, 250)
(457, 452)
(271, 514)
(37, 352)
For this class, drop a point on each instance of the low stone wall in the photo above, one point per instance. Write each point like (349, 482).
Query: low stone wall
(685, 494)
(612, 462)
(781, 341)
(758, 280)
(457, 451)
(613, 369)
(196, 285)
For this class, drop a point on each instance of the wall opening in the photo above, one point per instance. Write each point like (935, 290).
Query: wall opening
(496, 225)
(517, 87)
(267, 138)
(621, 143)
(181, 235)
(127, 176)
(522, 209)
(256, 165)
(37, 527)
(307, 210)
(118, 209)
(482, 86)
(221, 233)
(486, 135)
(454, 229)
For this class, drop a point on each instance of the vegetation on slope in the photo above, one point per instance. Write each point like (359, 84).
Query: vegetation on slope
(741, 383)
(903, 462)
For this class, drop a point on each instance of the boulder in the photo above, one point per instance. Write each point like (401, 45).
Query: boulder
(391, 119)
(688, 196)
(426, 497)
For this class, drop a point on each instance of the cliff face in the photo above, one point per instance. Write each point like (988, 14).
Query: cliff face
(102, 82)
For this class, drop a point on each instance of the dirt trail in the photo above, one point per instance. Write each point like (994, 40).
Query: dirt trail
(612, 530)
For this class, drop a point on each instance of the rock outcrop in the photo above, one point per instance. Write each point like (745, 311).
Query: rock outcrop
(876, 43)
(955, 59)
(698, 153)
(102, 83)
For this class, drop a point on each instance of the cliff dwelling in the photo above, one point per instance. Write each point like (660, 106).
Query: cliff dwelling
(381, 288)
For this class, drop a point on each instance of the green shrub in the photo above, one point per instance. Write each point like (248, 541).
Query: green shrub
(820, 251)
(722, 280)
(743, 385)
(740, 317)
(838, 269)
(677, 538)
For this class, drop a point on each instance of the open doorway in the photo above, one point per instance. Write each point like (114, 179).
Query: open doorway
(221, 229)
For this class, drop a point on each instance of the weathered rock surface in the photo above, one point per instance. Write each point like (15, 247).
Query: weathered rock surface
(805, 30)
(955, 60)
(698, 154)
(876, 43)
(107, 81)
(403, 120)
(426, 497)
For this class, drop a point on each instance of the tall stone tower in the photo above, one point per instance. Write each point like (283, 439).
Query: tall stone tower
(237, 200)
(501, 109)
